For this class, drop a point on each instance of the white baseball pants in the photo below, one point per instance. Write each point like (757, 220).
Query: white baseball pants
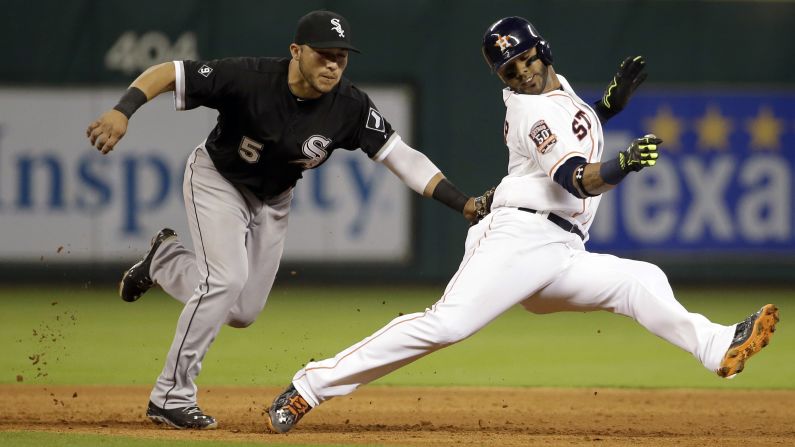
(238, 242)
(514, 257)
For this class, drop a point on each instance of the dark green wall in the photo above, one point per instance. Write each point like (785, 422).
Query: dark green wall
(433, 42)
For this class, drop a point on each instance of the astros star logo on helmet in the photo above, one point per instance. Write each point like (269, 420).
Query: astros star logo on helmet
(503, 42)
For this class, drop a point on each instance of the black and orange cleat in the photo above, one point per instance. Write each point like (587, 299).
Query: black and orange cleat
(136, 280)
(750, 336)
(287, 409)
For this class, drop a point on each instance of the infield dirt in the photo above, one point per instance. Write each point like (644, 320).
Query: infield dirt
(431, 416)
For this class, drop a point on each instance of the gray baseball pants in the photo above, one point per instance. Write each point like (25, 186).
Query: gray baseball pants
(238, 242)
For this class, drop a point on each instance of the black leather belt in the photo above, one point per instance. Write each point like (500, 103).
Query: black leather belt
(559, 221)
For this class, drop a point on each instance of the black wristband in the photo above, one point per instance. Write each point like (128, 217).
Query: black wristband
(603, 112)
(611, 171)
(132, 99)
(448, 194)
(579, 173)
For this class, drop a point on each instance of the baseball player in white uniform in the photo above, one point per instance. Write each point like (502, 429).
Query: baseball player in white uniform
(530, 249)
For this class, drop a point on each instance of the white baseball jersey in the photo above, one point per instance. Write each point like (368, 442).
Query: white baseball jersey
(542, 132)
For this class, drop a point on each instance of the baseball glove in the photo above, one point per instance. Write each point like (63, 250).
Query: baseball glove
(483, 204)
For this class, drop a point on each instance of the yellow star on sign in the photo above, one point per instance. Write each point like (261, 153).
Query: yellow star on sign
(666, 126)
(714, 129)
(765, 129)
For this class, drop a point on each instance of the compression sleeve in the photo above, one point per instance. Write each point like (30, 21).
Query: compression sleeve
(410, 165)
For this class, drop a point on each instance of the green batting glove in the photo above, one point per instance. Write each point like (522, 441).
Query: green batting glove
(640, 154)
(628, 78)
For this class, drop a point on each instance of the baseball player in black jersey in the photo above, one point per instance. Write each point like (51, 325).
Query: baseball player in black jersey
(277, 117)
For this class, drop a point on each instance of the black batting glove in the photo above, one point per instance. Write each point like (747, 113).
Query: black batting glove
(628, 78)
(640, 154)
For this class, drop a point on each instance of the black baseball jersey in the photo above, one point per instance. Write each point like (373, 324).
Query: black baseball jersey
(266, 137)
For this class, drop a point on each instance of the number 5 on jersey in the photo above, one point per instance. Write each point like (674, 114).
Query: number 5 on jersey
(250, 150)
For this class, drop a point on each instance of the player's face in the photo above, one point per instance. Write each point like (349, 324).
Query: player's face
(322, 68)
(525, 73)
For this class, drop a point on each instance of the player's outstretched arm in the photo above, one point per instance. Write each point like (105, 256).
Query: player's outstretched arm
(419, 173)
(620, 89)
(592, 179)
(110, 127)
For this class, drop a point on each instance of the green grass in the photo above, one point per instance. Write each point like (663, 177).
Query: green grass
(33, 439)
(92, 337)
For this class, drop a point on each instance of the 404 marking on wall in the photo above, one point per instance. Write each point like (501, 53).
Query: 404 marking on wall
(132, 53)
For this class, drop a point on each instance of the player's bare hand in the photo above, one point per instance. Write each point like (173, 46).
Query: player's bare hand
(627, 79)
(469, 211)
(107, 130)
(640, 154)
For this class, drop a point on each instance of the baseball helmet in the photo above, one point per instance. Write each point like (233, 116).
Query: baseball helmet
(510, 37)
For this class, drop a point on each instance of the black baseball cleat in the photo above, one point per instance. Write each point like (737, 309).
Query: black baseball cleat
(136, 281)
(287, 409)
(181, 418)
(750, 336)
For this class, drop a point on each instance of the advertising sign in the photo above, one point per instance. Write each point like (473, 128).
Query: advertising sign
(63, 201)
(723, 182)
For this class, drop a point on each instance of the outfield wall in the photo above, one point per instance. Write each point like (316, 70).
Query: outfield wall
(719, 207)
